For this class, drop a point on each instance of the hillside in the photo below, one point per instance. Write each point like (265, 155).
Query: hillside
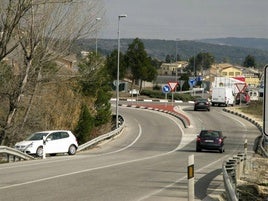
(257, 43)
(232, 52)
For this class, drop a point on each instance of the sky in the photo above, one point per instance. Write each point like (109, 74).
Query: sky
(185, 19)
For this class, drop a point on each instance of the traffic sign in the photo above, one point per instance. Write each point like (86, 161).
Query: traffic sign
(173, 85)
(265, 101)
(192, 82)
(166, 89)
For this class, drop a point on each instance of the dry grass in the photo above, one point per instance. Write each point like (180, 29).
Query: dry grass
(255, 108)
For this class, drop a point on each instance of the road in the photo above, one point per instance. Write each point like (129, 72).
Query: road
(148, 161)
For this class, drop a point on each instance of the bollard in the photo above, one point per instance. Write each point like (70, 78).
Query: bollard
(190, 178)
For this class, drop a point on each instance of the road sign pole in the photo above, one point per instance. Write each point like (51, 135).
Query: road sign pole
(265, 99)
(166, 99)
(172, 98)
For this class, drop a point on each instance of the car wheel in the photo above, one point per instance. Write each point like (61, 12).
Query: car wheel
(198, 149)
(39, 152)
(72, 150)
(221, 150)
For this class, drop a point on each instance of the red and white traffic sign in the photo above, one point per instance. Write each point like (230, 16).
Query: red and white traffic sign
(172, 85)
(241, 86)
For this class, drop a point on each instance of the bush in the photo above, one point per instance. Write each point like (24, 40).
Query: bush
(159, 94)
(255, 108)
(84, 126)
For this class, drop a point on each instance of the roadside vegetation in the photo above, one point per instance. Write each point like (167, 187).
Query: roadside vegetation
(45, 86)
(254, 108)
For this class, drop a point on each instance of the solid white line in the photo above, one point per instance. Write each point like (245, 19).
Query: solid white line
(98, 168)
(179, 180)
(106, 166)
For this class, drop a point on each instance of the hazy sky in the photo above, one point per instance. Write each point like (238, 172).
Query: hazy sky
(185, 19)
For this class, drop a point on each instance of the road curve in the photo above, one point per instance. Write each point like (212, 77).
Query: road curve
(146, 162)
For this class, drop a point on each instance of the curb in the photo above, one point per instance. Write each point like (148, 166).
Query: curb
(184, 119)
(256, 123)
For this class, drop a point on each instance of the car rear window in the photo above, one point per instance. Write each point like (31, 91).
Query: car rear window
(201, 100)
(210, 134)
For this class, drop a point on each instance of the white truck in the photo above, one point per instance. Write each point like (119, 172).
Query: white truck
(222, 96)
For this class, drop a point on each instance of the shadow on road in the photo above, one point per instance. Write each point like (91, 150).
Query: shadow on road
(203, 183)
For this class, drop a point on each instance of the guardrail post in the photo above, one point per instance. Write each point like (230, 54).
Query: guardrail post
(246, 147)
(242, 164)
(8, 159)
(190, 178)
(44, 145)
(231, 170)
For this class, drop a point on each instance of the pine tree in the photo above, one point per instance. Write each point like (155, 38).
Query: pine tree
(84, 126)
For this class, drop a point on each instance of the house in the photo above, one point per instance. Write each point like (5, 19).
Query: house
(248, 75)
(172, 69)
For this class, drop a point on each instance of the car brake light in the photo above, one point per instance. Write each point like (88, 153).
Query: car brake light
(198, 139)
(220, 140)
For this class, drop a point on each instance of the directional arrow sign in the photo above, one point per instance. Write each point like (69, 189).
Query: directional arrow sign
(166, 89)
(191, 82)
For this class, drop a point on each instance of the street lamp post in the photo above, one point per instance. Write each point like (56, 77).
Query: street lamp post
(97, 19)
(118, 60)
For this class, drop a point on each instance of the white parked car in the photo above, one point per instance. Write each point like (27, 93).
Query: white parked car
(56, 141)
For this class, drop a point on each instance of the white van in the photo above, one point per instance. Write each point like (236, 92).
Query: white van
(222, 96)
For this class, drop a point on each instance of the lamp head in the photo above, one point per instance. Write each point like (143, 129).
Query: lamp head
(121, 16)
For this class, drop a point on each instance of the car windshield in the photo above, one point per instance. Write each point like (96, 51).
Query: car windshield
(36, 136)
(214, 134)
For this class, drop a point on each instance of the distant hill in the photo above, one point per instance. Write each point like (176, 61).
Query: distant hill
(233, 50)
(256, 43)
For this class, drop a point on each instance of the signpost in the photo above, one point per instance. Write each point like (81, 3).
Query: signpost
(166, 89)
(173, 86)
(265, 101)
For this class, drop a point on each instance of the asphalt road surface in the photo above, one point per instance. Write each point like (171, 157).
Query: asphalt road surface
(148, 161)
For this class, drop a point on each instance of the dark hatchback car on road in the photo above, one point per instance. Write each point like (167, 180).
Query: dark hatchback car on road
(202, 104)
(210, 140)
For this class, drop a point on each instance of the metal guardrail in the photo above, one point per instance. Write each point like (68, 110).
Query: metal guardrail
(104, 136)
(232, 170)
(14, 154)
(229, 173)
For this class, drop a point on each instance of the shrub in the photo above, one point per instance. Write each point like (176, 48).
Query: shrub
(84, 126)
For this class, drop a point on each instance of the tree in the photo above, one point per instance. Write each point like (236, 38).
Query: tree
(84, 126)
(139, 63)
(41, 31)
(111, 65)
(11, 13)
(95, 83)
(249, 61)
(202, 61)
